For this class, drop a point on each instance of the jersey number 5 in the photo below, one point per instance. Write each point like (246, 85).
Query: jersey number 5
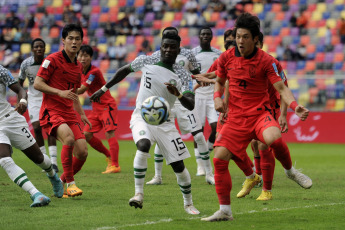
(147, 82)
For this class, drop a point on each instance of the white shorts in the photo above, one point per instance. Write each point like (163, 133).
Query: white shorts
(34, 106)
(188, 121)
(205, 109)
(165, 135)
(14, 131)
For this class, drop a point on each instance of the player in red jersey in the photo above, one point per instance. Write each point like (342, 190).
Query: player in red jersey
(248, 70)
(58, 78)
(104, 113)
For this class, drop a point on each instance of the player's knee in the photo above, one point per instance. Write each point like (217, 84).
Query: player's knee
(214, 127)
(69, 140)
(144, 145)
(262, 146)
(88, 136)
(178, 166)
(38, 131)
(5, 162)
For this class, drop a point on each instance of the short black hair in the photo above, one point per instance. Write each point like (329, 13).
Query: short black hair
(72, 27)
(37, 40)
(86, 49)
(249, 22)
(227, 33)
(170, 28)
(206, 28)
(261, 38)
(173, 37)
(229, 43)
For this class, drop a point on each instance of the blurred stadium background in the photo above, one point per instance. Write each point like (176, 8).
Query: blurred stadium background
(307, 36)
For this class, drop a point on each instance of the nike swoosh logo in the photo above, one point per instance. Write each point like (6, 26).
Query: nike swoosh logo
(230, 68)
(148, 73)
(181, 153)
(193, 127)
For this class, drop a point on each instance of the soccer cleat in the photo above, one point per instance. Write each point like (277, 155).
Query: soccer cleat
(108, 160)
(156, 180)
(260, 183)
(218, 216)
(57, 185)
(112, 169)
(200, 171)
(303, 180)
(190, 209)
(55, 167)
(137, 200)
(73, 191)
(265, 195)
(39, 200)
(248, 185)
(210, 179)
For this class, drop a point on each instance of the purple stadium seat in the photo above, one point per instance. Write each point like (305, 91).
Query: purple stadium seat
(230, 24)
(291, 65)
(94, 2)
(147, 31)
(294, 31)
(149, 17)
(130, 40)
(338, 48)
(329, 57)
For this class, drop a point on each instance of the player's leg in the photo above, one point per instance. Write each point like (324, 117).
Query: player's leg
(212, 137)
(184, 181)
(212, 118)
(158, 158)
(38, 136)
(18, 176)
(53, 152)
(113, 166)
(200, 116)
(254, 144)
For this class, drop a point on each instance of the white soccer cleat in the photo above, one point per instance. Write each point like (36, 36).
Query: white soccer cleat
(210, 179)
(218, 216)
(190, 209)
(200, 171)
(155, 181)
(137, 200)
(303, 180)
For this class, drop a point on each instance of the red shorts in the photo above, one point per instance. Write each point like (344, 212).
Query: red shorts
(54, 121)
(99, 119)
(237, 133)
(276, 113)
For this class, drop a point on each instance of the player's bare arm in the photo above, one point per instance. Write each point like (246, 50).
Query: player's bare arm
(187, 99)
(119, 76)
(282, 118)
(219, 104)
(289, 99)
(79, 109)
(82, 89)
(22, 97)
(41, 85)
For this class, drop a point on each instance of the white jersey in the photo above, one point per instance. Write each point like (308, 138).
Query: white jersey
(205, 59)
(6, 79)
(29, 69)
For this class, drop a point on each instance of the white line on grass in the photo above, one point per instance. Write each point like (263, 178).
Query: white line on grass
(239, 213)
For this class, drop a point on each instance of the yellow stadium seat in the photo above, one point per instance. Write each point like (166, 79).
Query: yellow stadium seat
(220, 40)
(274, 54)
(121, 15)
(303, 98)
(332, 23)
(321, 32)
(81, 99)
(316, 16)
(25, 48)
(124, 84)
(112, 3)
(338, 2)
(258, 8)
(321, 7)
(102, 48)
(207, 16)
(342, 14)
(339, 105)
(48, 48)
(330, 81)
(293, 83)
(121, 39)
(265, 47)
(168, 17)
(57, 3)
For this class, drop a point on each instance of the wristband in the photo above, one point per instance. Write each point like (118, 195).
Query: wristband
(104, 88)
(293, 105)
(180, 96)
(24, 101)
(216, 94)
(193, 77)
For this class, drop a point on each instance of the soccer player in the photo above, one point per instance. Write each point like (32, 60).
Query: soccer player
(14, 131)
(188, 121)
(58, 78)
(248, 70)
(104, 113)
(167, 80)
(29, 69)
(205, 56)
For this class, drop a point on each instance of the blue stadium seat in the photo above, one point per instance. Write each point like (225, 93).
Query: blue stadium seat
(15, 47)
(320, 48)
(104, 9)
(54, 48)
(130, 2)
(326, 15)
(267, 8)
(296, 40)
(339, 7)
(300, 65)
(58, 17)
(338, 66)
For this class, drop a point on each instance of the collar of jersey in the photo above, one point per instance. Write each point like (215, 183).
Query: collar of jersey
(67, 58)
(238, 54)
(88, 69)
(167, 66)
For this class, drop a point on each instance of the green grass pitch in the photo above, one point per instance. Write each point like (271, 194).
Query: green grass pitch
(104, 204)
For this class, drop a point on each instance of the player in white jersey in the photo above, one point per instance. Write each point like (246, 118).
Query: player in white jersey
(165, 80)
(205, 56)
(14, 131)
(188, 121)
(29, 69)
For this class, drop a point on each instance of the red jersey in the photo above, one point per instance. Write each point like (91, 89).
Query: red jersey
(213, 66)
(61, 73)
(248, 80)
(272, 92)
(94, 80)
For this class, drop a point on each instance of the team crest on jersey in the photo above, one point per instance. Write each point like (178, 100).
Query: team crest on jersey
(31, 117)
(252, 72)
(181, 63)
(215, 58)
(173, 82)
(142, 132)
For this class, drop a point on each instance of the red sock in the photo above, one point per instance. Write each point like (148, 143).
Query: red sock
(98, 145)
(114, 151)
(66, 161)
(257, 165)
(246, 165)
(77, 165)
(223, 180)
(282, 153)
(267, 166)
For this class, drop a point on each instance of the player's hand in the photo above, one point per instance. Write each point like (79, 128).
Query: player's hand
(68, 94)
(203, 81)
(172, 89)
(302, 112)
(21, 108)
(283, 124)
(219, 105)
(196, 86)
(96, 97)
(84, 119)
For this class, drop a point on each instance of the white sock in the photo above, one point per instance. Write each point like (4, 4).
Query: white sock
(251, 176)
(289, 171)
(158, 162)
(17, 175)
(210, 145)
(184, 181)
(140, 167)
(53, 154)
(226, 209)
(46, 165)
(43, 150)
(70, 183)
(204, 153)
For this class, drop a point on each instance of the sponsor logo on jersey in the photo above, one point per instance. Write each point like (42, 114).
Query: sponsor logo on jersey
(252, 72)
(142, 132)
(181, 63)
(173, 82)
(90, 79)
(46, 63)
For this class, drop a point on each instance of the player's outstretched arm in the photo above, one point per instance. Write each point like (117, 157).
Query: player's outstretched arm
(282, 118)
(119, 76)
(186, 99)
(79, 109)
(219, 104)
(22, 97)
